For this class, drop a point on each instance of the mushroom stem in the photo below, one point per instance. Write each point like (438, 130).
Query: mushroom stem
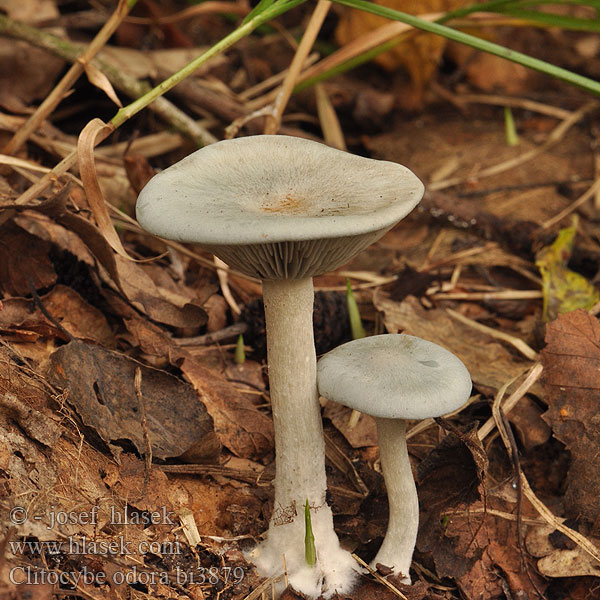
(300, 450)
(398, 545)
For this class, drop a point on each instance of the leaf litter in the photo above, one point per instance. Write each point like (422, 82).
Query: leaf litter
(116, 401)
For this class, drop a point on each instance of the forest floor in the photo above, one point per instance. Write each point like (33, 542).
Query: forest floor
(106, 491)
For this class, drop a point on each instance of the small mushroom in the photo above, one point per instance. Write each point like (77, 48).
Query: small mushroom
(284, 209)
(395, 377)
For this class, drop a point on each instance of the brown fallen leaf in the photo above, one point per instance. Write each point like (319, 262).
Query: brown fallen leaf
(101, 389)
(571, 382)
(78, 317)
(37, 425)
(67, 307)
(241, 427)
(23, 258)
(159, 304)
(27, 73)
(526, 416)
(490, 363)
(364, 433)
(491, 73)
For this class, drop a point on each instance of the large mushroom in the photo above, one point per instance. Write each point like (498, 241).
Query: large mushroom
(395, 377)
(284, 209)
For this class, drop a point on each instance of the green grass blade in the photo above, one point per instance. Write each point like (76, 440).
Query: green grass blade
(310, 552)
(358, 331)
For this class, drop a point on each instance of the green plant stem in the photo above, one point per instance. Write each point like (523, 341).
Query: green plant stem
(271, 12)
(475, 42)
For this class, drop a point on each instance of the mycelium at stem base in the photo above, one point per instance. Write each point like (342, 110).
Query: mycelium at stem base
(397, 548)
(300, 466)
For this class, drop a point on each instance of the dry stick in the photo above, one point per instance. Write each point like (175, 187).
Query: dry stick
(589, 193)
(379, 578)
(222, 268)
(518, 343)
(209, 7)
(330, 124)
(507, 436)
(524, 103)
(542, 509)
(137, 382)
(487, 296)
(77, 68)
(555, 136)
(306, 44)
(511, 401)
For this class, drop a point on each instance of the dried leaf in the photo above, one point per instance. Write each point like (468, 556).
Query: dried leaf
(23, 258)
(92, 134)
(100, 80)
(158, 303)
(34, 423)
(101, 385)
(564, 290)
(571, 382)
(241, 427)
(78, 317)
(364, 433)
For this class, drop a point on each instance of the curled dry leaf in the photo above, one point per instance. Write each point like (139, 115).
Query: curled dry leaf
(101, 386)
(93, 133)
(571, 382)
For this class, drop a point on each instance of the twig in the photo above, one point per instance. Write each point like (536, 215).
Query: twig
(308, 39)
(379, 578)
(224, 283)
(38, 301)
(212, 6)
(511, 447)
(589, 193)
(524, 103)
(533, 375)
(487, 296)
(518, 343)
(137, 382)
(207, 339)
(543, 510)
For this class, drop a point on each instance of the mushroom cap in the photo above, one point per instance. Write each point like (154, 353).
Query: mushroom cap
(394, 376)
(278, 195)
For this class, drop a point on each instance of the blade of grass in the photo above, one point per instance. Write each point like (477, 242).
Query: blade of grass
(478, 43)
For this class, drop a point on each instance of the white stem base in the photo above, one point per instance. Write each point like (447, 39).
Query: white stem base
(399, 542)
(300, 449)
(283, 552)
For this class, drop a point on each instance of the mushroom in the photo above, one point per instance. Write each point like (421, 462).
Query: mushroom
(395, 377)
(284, 209)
